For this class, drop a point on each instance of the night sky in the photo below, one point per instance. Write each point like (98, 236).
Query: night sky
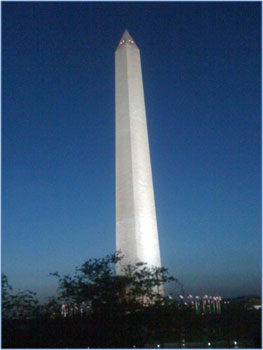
(201, 66)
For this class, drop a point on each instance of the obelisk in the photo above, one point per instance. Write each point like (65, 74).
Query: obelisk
(136, 225)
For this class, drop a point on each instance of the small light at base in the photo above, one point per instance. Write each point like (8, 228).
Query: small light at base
(209, 344)
(158, 345)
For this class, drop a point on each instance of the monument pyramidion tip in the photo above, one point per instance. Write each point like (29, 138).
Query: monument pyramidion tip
(126, 39)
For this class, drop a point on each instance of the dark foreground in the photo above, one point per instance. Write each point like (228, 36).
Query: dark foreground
(165, 328)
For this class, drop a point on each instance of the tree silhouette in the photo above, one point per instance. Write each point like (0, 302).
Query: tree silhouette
(96, 282)
(22, 304)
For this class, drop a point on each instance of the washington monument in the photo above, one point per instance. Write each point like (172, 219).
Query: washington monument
(136, 225)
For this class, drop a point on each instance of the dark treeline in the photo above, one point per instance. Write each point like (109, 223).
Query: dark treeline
(97, 309)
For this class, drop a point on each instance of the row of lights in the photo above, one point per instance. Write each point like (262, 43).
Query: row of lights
(205, 303)
(190, 296)
(123, 41)
(183, 344)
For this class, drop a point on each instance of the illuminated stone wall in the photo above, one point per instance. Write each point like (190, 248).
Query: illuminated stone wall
(136, 226)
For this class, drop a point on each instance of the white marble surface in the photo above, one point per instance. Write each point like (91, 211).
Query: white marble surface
(136, 225)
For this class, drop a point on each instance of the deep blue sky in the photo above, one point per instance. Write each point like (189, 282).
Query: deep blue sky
(202, 79)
